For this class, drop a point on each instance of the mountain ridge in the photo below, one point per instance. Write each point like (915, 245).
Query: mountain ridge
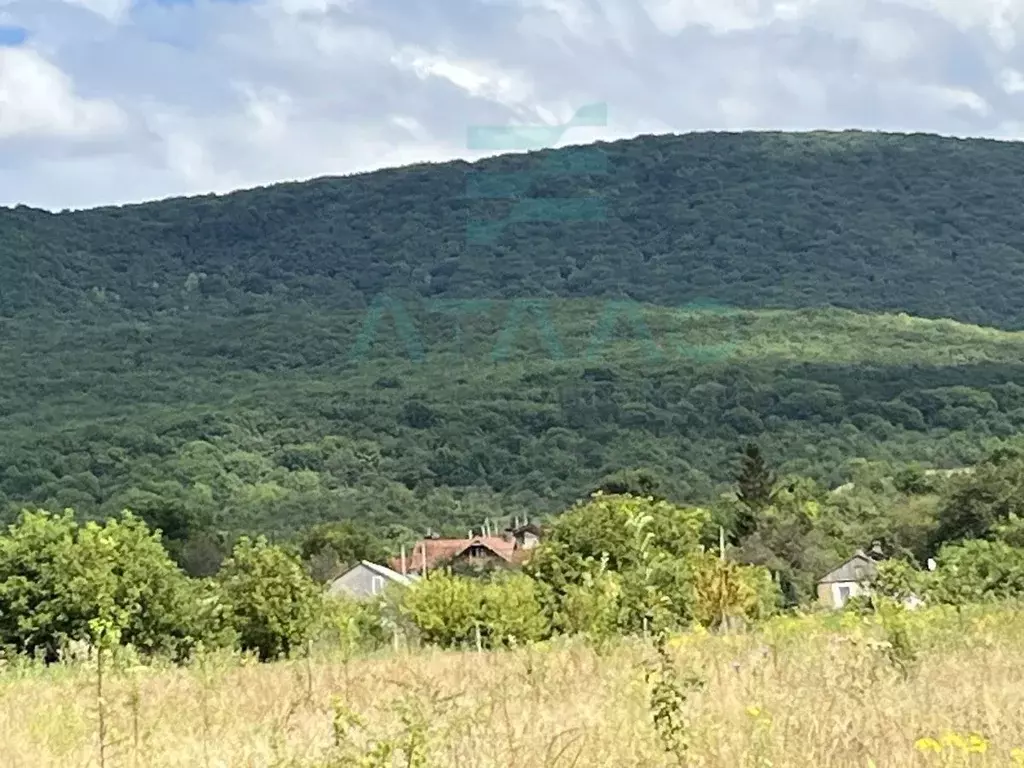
(870, 221)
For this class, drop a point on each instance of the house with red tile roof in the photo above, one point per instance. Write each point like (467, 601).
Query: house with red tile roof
(432, 553)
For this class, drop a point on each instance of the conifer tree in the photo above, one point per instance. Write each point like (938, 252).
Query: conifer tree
(754, 482)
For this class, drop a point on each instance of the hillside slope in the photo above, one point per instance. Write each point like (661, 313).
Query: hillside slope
(875, 222)
(279, 419)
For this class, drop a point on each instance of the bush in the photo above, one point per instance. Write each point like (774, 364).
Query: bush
(59, 580)
(591, 608)
(725, 590)
(976, 571)
(353, 625)
(512, 611)
(446, 610)
(273, 604)
(451, 610)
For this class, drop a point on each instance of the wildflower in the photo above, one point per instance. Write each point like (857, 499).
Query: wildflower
(927, 744)
(954, 740)
(976, 744)
(754, 712)
(1017, 755)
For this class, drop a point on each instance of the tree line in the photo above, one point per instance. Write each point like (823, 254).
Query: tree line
(621, 561)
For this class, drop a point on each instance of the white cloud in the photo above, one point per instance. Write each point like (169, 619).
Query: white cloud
(957, 98)
(38, 100)
(112, 10)
(122, 100)
(887, 42)
(722, 16)
(477, 78)
(1011, 80)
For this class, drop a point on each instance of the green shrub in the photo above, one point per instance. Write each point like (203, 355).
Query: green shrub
(512, 611)
(452, 610)
(58, 579)
(273, 603)
(445, 610)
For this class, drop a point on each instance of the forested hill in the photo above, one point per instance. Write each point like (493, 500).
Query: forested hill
(878, 222)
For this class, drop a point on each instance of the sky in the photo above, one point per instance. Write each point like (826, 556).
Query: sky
(117, 101)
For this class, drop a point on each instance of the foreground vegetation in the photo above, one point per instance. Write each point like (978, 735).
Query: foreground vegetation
(818, 691)
(628, 639)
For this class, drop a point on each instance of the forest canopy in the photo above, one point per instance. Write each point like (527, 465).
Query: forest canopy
(340, 349)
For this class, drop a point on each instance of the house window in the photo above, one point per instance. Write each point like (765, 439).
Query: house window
(844, 595)
(377, 584)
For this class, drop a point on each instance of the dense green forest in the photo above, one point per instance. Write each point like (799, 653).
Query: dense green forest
(339, 349)
(879, 222)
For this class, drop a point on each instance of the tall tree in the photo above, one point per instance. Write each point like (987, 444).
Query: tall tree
(754, 483)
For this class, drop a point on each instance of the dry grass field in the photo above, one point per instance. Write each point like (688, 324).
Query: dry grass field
(797, 693)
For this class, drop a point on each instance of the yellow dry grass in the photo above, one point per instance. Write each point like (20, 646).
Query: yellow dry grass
(798, 693)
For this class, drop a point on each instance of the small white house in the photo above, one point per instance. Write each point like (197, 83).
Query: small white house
(850, 579)
(366, 580)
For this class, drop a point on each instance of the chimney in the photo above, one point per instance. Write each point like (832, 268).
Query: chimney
(423, 559)
(403, 560)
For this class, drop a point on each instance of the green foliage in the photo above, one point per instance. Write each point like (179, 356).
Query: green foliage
(451, 610)
(627, 564)
(899, 579)
(1011, 531)
(332, 548)
(668, 697)
(274, 605)
(818, 205)
(725, 590)
(232, 378)
(619, 529)
(354, 625)
(982, 499)
(230, 373)
(58, 581)
(647, 544)
(976, 571)
(280, 433)
(799, 536)
(632, 482)
(900, 648)
(756, 484)
(512, 611)
(591, 608)
(445, 610)
(972, 571)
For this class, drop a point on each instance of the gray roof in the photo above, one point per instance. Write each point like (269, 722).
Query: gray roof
(344, 584)
(858, 568)
(387, 573)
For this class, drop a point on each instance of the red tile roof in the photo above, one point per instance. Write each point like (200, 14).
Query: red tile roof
(437, 551)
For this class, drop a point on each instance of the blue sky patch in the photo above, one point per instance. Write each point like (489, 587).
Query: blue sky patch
(12, 36)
